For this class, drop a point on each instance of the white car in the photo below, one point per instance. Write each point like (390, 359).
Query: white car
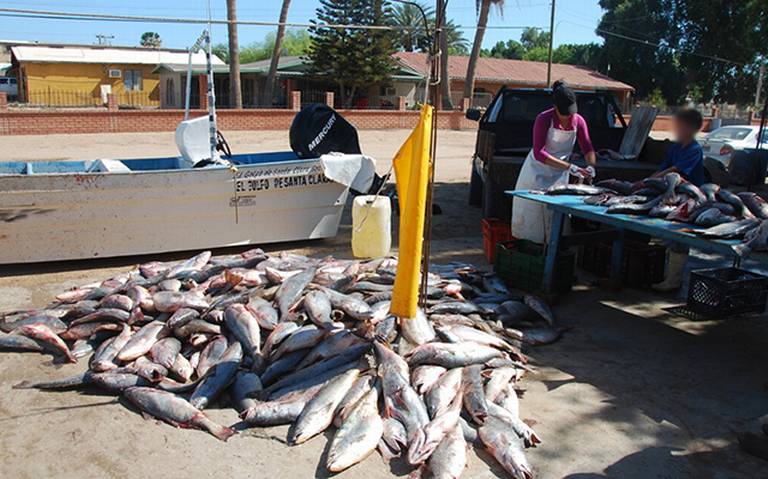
(721, 144)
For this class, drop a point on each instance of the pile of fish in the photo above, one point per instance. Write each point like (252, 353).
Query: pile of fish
(289, 339)
(714, 212)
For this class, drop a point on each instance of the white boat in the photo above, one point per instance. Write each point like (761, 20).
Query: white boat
(64, 210)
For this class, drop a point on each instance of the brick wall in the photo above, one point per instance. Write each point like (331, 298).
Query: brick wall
(42, 122)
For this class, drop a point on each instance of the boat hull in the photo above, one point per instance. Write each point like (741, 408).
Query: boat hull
(63, 216)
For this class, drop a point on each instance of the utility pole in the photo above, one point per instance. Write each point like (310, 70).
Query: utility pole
(760, 80)
(551, 39)
(235, 93)
(104, 39)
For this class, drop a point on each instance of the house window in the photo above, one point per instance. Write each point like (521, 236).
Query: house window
(132, 79)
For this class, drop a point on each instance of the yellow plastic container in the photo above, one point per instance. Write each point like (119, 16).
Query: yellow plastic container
(371, 226)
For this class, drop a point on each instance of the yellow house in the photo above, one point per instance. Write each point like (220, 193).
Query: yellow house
(74, 75)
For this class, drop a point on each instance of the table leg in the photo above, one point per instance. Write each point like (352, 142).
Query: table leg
(617, 253)
(556, 229)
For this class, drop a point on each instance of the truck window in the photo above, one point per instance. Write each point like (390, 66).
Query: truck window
(593, 110)
(519, 108)
(3, 81)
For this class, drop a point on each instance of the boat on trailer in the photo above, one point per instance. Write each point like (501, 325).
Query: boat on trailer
(61, 210)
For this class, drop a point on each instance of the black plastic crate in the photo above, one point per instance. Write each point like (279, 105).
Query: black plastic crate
(721, 292)
(641, 265)
(520, 263)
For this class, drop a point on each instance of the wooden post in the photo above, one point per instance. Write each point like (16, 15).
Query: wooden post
(329, 98)
(3, 100)
(401, 103)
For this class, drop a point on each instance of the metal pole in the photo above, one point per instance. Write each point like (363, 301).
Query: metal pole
(551, 39)
(433, 93)
(189, 85)
(211, 97)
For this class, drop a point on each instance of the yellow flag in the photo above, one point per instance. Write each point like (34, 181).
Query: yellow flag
(412, 174)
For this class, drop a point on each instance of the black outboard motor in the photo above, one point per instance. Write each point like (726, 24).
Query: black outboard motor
(318, 129)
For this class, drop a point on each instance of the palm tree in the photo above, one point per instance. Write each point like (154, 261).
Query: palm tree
(269, 88)
(483, 7)
(414, 37)
(235, 93)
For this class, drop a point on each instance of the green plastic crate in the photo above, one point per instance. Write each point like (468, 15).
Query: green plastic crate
(520, 263)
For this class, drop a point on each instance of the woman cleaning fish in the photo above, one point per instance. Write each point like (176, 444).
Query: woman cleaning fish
(555, 133)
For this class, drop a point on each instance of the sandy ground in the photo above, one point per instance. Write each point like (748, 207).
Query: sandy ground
(630, 392)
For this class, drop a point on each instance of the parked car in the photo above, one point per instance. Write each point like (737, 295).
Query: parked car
(722, 143)
(9, 86)
(505, 135)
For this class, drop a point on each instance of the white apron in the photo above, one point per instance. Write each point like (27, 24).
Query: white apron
(531, 220)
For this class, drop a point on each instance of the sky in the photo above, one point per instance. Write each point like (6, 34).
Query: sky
(574, 23)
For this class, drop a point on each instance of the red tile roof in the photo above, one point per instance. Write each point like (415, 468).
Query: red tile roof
(516, 72)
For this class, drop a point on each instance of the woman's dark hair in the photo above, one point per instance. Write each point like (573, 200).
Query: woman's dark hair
(563, 98)
(690, 117)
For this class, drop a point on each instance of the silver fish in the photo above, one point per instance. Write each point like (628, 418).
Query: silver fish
(358, 436)
(211, 355)
(452, 355)
(317, 415)
(318, 308)
(164, 351)
(104, 357)
(142, 341)
(174, 410)
(218, 378)
(505, 447)
(360, 388)
(474, 395)
(442, 393)
(290, 290)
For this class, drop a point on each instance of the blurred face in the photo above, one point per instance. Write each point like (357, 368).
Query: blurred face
(683, 131)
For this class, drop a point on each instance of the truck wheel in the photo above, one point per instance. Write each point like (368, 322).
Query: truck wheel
(475, 188)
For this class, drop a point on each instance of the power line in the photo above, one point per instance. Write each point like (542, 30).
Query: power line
(99, 17)
(656, 44)
(659, 45)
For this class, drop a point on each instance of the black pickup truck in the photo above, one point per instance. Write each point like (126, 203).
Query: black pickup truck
(505, 136)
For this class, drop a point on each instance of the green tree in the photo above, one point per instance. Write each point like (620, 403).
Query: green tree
(536, 54)
(351, 58)
(295, 43)
(511, 50)
(532, 38)
(221, 50)
(646, 67)
(685, 44)
(151, 40)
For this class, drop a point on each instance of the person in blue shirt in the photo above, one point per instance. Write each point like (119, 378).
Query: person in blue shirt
(685, 157)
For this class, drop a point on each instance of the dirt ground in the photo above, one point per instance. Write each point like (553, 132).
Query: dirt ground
(631, 391)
